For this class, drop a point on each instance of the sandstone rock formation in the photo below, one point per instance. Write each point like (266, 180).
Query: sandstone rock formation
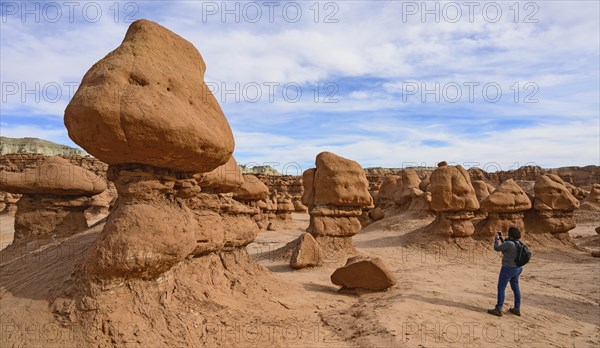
(577, 192)
(306, 253)
(363, 273)
(285, 206)
(10, 204)
(254, 193)
(553, 206)
(298, 206)
(146, 102)
(504, 208)
(145, 110)
(482, 189)
(592, 201)
(99, 205)
(225, 178)
(55, 196)
(386, 192)
(424, 184)
(454, 201)
(409, 196)
(376, 214)
(335, 191)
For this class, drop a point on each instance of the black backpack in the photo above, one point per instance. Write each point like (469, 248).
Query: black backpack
(523, 253)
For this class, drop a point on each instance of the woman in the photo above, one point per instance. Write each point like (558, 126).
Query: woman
(509, 272)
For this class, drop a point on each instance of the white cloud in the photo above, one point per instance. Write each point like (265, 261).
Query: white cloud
(370, 41)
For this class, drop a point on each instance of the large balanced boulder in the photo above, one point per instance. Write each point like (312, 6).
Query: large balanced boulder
(454, 201)
(146, 102)
(55, 196)
(553, 206)
(340, 182)
(504, 208)
(363, 273)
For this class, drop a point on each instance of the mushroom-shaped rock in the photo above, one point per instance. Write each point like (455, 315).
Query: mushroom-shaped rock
(508, 197)
(223, 179)
(454, 200)
(505, 207)
(146, 111)
(146, 102)
(54, 176)
(552, 194)
(335, 191)
(387, 190)
(363, 273)
(405, 191)
(552, 208)
(306, 253)
(451, 189)
(55, 197)
(10, 204)
(592, 201)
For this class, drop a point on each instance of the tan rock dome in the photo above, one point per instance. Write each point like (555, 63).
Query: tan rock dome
(146, 102)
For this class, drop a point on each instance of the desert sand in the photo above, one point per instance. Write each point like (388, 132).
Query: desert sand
(440, 300)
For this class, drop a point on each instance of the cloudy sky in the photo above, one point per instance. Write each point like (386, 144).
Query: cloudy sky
(386, 83)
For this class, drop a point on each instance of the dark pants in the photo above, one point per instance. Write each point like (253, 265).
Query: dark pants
(509, 274)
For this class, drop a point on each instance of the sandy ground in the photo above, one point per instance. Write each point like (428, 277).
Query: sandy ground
(440, 300)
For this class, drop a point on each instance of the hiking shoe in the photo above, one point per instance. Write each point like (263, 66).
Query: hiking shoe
(515, 311)
(495, 311)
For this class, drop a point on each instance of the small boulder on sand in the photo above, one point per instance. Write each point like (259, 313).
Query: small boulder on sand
(306, 253)
(363, 273)
(376, 214)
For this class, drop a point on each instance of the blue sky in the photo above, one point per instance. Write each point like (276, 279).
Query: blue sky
(385, 83)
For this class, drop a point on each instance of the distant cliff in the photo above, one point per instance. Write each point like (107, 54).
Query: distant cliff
(267, 170)
(35, 145)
